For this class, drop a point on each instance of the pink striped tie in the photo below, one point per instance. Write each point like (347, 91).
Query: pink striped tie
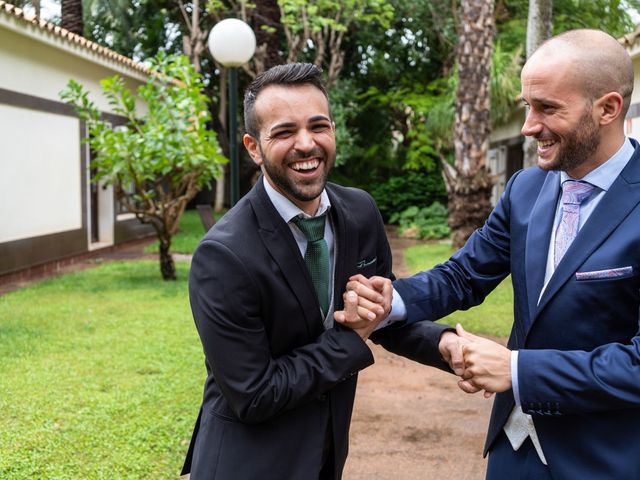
(573, 194)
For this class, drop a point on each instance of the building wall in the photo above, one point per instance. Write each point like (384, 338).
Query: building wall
(46, 207)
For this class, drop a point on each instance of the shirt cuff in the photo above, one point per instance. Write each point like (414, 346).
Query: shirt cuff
(514, 376)
(398, 311)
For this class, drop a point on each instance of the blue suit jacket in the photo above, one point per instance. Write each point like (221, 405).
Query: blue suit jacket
(579, 360)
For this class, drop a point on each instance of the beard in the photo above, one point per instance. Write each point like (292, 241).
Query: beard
(578, 146)
(302, 190)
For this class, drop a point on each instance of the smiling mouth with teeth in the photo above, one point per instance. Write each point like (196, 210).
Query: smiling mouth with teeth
(305, 166)
(545, 143)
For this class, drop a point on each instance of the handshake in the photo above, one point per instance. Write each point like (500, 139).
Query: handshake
(481, 364)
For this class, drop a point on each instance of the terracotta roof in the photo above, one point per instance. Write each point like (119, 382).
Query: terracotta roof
(72, 38)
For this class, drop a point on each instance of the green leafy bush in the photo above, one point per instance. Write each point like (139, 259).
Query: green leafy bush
(424, 223)
(163, 155)
(415, 189)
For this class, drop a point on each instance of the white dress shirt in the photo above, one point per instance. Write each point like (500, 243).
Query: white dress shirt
(288, 211)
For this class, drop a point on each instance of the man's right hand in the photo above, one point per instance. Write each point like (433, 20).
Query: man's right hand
(451, 348)
(373, 302)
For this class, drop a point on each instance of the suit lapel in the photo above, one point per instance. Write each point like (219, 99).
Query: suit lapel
(538, 235)
(278, 239)
(345, 238)
(620, 199)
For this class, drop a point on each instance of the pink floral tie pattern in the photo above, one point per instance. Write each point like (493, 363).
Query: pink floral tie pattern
(573, 194)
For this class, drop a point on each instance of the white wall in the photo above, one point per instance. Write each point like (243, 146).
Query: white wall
(40, 174)
(39, 69)
(40, 153)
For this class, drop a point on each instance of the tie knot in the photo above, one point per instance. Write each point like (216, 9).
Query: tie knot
(575, 192)
(313, 228)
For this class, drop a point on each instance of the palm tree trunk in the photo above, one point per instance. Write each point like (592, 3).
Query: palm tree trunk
(71, 16)
(469, 181)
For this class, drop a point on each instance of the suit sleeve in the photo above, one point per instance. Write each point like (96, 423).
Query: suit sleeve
(555, 382)
(257, 386)
(468, 276)
(419, 341)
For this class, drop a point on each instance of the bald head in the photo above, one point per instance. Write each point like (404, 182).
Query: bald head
(596, 61)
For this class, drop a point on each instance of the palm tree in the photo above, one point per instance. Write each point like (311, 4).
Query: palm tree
(71, 16)
(468, 180)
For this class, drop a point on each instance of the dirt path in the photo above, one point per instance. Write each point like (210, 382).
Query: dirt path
(412, 422)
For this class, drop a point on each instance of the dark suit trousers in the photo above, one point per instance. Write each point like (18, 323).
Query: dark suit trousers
(507, 464)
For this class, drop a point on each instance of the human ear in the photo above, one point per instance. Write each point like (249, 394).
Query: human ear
(609, 107)
(253, 147)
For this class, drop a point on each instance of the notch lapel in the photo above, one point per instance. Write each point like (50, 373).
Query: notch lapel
(278, 240)
(538, 237)
(617, 203)
(345, 238)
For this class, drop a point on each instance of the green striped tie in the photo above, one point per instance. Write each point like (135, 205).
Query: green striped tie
(317, 256)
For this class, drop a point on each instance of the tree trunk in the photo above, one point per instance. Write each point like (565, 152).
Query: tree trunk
(469, 202)
(167, 265)
(193, 44)
(218, 203)
(71, 16)
(469, 181)
(266, 14)
(539, 28)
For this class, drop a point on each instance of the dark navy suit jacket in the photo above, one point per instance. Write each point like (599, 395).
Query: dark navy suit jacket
(278, 383)
(579, 348)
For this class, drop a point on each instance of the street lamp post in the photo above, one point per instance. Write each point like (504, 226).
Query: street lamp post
(232, 43)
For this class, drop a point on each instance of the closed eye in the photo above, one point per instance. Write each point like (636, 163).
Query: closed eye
(282, 134)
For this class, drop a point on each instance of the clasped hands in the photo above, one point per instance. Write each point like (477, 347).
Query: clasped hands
(481, 364)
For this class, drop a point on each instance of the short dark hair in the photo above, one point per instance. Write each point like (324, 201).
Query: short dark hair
(289, 74)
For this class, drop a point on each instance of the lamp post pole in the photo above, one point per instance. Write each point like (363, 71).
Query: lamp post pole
(233, 135)
(232, 43)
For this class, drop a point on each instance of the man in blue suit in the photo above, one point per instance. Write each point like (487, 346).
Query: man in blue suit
(568, 232)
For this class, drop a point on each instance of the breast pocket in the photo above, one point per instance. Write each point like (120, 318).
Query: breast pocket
(367, 266)
(608, 274)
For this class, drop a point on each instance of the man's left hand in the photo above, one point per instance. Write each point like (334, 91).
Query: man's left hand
(487, 364)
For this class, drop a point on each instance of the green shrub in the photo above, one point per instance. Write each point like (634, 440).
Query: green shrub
(426, 223)
(418, 189)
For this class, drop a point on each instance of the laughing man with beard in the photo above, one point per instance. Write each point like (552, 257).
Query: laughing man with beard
(264, 283)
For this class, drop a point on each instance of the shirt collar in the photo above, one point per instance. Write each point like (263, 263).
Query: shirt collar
(287, 209)
(603, 176)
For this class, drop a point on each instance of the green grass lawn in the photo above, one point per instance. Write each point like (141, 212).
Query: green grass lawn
(189, 235)
(493, 317)
(101, 375)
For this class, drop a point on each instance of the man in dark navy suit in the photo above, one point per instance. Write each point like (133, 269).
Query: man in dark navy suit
(568, 232)
(264, 283)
